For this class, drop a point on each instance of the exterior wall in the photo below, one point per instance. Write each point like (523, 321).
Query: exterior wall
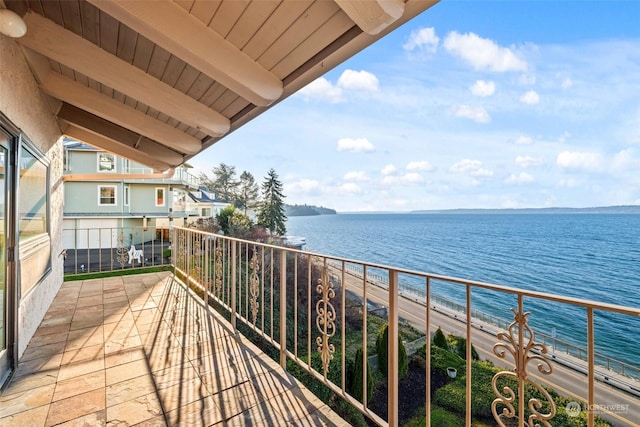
(27, 108)
(82, 197)
(142, 199)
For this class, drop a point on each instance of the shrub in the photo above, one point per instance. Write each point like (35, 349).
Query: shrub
(439, 340)
(383, 359)
(459, 346)
(356, 383)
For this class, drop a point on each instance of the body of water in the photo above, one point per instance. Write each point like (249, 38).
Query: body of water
(590, 256)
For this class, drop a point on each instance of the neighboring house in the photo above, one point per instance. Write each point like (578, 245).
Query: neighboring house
(108, 192)
(206, 203)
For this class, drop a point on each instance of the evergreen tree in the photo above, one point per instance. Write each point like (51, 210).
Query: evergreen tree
(272, 214)
(248, 192)
(224, 183)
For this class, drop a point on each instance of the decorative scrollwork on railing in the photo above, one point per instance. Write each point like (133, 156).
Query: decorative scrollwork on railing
(122, 254)
(522, 353)
(197, 255)
(217, 281)
(325, 319)
(254, 284)
(181, 249)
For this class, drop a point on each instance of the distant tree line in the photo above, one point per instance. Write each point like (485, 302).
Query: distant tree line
(307, 210)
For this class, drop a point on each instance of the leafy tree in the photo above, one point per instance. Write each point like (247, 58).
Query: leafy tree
(234, 223)
(248, 192)
(382, 347)
(272, 215)
(224, 183)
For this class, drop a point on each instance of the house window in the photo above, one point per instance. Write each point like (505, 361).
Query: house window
(34, 195)
(106, 195)
(126, 195)
(206, 212)
(106, 162)
(160, 196)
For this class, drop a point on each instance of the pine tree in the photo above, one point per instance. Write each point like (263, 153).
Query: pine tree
(272, 214)
(248, 192)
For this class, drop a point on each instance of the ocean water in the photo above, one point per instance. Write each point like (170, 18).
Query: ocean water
(590, 256)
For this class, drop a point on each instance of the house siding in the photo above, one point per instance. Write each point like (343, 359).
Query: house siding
(26, 107)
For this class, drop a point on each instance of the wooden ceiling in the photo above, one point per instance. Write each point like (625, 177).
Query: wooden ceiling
(159, 81)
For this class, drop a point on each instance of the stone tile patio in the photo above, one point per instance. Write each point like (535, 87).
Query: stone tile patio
(141, 350)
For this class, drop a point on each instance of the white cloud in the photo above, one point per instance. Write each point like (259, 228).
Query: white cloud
(358, 80)
(567, 83)
(579, 161)
(524, 140)
(470, 167)
(408, 178)
(568, 183)
(359, 145)
(531, 97)
(388, 169)
(349, 188)
(522, 178)
(356, 176)
(626, 160)
(424, 38)
(483, 54)
(420, 166)
(483, 88)
(563, 138)
(304, 186)
(477, 114)
(322, 89)
(528, 161)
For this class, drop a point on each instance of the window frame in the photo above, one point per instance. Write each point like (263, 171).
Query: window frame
(115, 195)
(156, 198)
(99, 163)
(126, 195)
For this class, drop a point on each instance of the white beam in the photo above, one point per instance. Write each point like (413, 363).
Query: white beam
(372, 16)
(49, 39)
(94, 102)
(126, 139)
(174, 29)
(114, 147)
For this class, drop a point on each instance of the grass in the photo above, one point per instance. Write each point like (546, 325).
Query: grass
(115, 273)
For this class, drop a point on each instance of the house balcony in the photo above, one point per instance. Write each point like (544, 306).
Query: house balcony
(222, 337)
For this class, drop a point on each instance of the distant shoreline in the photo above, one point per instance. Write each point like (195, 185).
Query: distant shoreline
(625, 209)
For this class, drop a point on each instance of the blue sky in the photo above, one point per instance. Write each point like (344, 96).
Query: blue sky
(473, 104)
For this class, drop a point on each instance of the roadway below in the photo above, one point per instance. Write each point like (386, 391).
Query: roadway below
(617, 406)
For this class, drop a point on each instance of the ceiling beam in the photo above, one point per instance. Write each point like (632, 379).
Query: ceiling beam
(127, 143)
(177, 31)
(109, 109)
(51, 40)
(372, 16)
(100, 141)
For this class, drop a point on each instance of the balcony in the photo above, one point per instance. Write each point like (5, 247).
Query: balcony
(219, 338)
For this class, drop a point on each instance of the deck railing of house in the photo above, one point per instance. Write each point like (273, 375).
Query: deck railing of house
(315, 310)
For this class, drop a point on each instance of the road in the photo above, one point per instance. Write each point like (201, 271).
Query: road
(625, 407)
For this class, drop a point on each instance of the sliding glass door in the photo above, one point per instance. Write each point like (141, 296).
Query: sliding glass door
(6, 320)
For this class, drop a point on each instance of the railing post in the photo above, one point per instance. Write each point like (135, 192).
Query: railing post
(234, 266)
(392, 349)
(283, 308)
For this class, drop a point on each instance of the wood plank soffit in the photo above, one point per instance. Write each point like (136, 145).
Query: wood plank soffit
(51, 40)
(174, 29)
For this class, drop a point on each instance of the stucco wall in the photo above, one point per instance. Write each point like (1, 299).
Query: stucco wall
(22, 102)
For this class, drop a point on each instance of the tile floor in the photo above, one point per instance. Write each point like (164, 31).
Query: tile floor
(140, 350)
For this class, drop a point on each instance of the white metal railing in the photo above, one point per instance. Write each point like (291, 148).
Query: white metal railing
(301, 303)
(549, 339)
(180, 175)
(99, 250)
